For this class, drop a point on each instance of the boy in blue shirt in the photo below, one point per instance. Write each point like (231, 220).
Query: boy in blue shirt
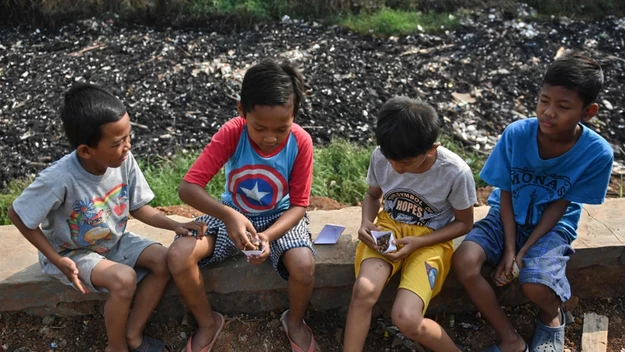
(543, 168)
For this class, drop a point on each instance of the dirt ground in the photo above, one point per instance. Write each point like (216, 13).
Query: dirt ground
(20, 332)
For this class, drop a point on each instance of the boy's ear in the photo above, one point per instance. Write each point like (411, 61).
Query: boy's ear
(84, 151)
(240, 109)
(590, 112)
(433, 148)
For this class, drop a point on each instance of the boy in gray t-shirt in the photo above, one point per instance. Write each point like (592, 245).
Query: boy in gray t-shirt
(428, 194)
(75, 213)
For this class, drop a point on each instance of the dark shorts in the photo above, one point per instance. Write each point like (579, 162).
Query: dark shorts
(544, 263)
(298, 236)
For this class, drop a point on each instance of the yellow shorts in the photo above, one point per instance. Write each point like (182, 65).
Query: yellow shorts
(422, 272)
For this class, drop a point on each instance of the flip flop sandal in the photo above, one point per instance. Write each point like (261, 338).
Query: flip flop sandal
(547, 338)
(149, 344)
(210, 346)
(294, 347)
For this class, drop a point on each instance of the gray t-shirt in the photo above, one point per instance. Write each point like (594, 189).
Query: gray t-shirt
(79, 210)
(425, 199)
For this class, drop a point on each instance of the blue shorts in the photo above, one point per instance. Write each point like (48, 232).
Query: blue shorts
(298, 236)
(545, 261)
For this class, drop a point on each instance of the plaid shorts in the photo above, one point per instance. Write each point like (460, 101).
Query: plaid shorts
(298, 236)
(544, 263)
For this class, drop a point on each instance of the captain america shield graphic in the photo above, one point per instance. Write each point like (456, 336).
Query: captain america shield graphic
(256, 188)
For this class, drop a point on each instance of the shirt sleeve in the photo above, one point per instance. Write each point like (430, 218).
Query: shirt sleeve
(139, 191)
(216, 153)
(41, 197)
(300, 181)
(496, 170)
(462, 195)
(592, 186)
(372, 179)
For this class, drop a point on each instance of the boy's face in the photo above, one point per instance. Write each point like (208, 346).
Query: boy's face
(268, 126)
(418, 164)
(559, 110)
(112, 149)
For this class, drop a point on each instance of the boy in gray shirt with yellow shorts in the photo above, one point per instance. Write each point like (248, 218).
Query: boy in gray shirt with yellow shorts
(76, 211)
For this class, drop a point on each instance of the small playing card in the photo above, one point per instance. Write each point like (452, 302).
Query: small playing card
(384, 240)
(255, 251)
(329, 234)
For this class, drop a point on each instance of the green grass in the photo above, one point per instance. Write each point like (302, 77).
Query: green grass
(248, 10)
(474, 159)
(339, 173)
(7, 197)
(397, 22)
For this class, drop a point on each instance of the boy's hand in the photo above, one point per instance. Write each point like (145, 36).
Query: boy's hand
(519, 257)
(259, 259)
(237, 225)
(406, 246)
(185, 228)
(503, 273)
(68, 267)
(365, 236)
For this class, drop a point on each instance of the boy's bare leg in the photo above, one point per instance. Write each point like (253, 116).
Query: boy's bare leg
(182, 260)
(547, 301)
(149, 292)
(301, 266)
(467, 264)
(367, 289)
(121, 281)
(408, 317)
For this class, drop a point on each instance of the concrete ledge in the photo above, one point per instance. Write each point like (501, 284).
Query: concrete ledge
(596, 269)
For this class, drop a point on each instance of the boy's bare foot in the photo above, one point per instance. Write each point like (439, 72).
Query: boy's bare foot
(298, 333)
(204, 336)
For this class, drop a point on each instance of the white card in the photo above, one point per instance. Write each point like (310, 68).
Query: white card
(378, 234)
(329, 234)
(254, 252)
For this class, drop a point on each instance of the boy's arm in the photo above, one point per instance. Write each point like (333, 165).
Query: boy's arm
(236, 223)
(370, 209)
(550, 218)
(508, 221)
(505, 265)
(39, 240)
(153, 217)
(285, 222)
(462, 224)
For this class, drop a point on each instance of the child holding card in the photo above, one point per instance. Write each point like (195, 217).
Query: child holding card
(428, 194)
(268, 162)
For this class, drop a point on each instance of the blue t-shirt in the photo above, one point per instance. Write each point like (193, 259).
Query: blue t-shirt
(581, 175)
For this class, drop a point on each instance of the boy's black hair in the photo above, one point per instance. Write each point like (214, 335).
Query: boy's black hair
(577, 72)
(85, 109)
(406, 128)
(274, 84)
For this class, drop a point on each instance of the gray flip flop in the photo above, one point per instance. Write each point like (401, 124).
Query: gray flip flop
(549, 339)
(150, 344)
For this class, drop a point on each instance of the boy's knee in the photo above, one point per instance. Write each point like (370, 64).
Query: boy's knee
(303, 271)
(408, 321)
(179, 256)
(123, 282)
(538, 293)
(159, 266)
(364, 293)
(466, 262)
